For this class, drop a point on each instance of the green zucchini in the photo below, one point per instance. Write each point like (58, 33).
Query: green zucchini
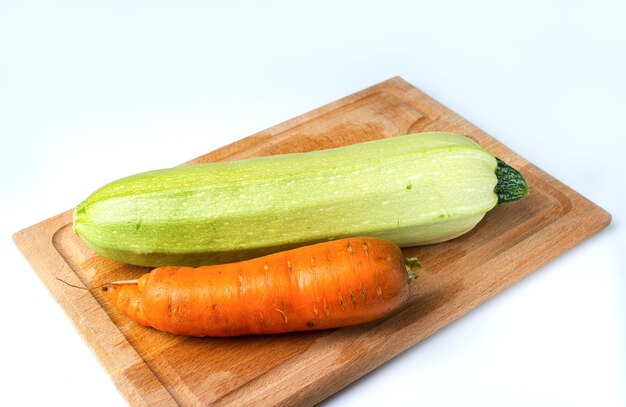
(415, 189)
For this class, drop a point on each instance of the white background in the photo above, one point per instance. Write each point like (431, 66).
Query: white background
(93, 91)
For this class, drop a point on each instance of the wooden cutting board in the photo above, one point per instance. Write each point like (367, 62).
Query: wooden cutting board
(150, 367)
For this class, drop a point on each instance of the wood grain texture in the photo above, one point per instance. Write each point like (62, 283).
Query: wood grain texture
(155, 368)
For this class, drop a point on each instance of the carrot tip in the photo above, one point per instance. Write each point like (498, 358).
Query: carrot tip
(71, 285)
(412, 267)
(122, 282)
(104, 287)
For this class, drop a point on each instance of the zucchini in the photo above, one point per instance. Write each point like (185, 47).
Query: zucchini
(415, 189)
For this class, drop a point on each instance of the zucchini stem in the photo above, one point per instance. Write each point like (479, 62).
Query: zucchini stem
(511, 184)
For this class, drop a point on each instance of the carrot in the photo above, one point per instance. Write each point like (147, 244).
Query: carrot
(326, 285)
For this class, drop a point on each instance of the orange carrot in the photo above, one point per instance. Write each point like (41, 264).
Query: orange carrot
(326, 285)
